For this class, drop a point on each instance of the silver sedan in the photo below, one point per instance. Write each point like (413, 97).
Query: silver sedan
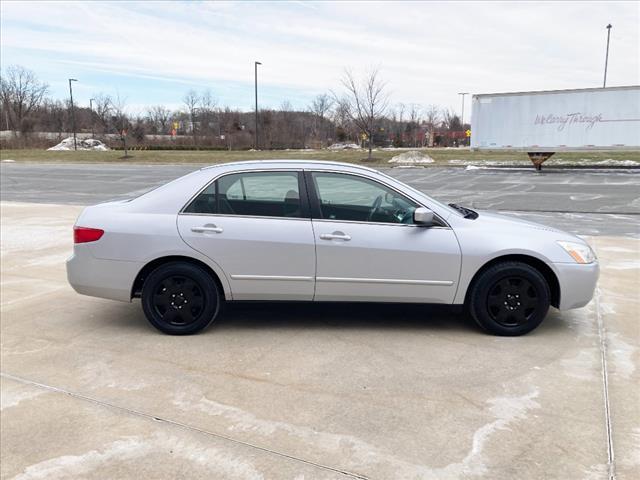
(321, 231)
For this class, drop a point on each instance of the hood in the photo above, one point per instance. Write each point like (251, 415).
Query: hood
(506, 223)
(499, 220)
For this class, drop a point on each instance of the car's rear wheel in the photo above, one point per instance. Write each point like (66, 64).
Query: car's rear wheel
(180, 298)
(509, 298)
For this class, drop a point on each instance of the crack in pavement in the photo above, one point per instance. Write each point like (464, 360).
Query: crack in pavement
(611, 472)
(154, 418)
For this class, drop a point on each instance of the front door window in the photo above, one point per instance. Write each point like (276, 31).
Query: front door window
(353, 198)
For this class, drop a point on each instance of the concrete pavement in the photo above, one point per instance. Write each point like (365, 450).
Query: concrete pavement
(301, 391)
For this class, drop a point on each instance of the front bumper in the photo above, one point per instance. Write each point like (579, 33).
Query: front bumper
(112, 279)
(577, 283)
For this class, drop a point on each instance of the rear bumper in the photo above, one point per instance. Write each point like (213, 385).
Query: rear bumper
(577, 283)
(112, 279)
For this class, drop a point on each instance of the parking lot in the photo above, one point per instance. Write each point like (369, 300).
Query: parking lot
(90, 390)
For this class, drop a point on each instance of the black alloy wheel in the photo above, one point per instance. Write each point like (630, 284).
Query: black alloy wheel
(180, 298)
(512, 301)
(509, 298)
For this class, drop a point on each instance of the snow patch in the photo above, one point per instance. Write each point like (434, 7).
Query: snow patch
(35, 235)
(608, 162)
(101, 374)
(82, 144)
(12, 396)
(504, 410)
(617, 249)
(583, 162)
(624, 265)
(412, 157)
(596, 472)
(221, 463)
(631, 458)
(80, 465)
(622, 356)
(344, 146)
(583, 366)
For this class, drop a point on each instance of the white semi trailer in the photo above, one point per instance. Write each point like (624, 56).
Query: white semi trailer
(542, 123)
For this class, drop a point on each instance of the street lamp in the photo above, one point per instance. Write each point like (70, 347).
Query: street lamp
(606, 58)
(91, 108)
(462, 114)
(256, 85)
(73, 119)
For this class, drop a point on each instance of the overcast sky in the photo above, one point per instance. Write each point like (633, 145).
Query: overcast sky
(153, 52)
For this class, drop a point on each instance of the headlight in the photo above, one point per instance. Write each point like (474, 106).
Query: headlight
(580, 252)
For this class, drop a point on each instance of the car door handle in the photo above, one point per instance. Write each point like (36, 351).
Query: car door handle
(335, 236)
(207, 229)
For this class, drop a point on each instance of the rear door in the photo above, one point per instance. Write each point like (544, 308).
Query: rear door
(256, 227)
(369, 249)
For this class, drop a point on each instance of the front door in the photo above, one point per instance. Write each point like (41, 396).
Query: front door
(256, 227)
(369, 249)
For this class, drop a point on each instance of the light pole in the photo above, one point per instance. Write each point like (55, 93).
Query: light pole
(73, 118)
(462, 94)
(256, 85)
(606, 58)
(91, 108)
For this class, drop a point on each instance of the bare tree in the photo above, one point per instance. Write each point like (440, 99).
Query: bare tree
(432, 117)
(191, 100)
(283, 131)
(56, 114)
(450, 120)
(401, 107)
(229, 125)
(102, 106)
(394, 123)
(414, 122)
(207, 108)
(340, 116)
(365, 101)
(320, 106)
(159, 117)
(120, 120)
(21, 94)
(138, 128)
(346, 129)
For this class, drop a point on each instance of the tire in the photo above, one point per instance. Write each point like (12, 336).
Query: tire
(509, 299)
(180, 298)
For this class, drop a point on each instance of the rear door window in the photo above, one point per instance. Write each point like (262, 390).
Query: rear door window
(263, 194)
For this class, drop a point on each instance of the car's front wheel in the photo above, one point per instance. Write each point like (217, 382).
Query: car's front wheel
(509, 298)
(180, 298)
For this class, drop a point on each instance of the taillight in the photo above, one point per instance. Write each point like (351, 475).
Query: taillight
(84, 234)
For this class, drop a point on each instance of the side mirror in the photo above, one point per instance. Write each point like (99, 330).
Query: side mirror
(423, 216)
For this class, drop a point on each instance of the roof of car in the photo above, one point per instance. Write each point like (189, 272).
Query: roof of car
(301, 162)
